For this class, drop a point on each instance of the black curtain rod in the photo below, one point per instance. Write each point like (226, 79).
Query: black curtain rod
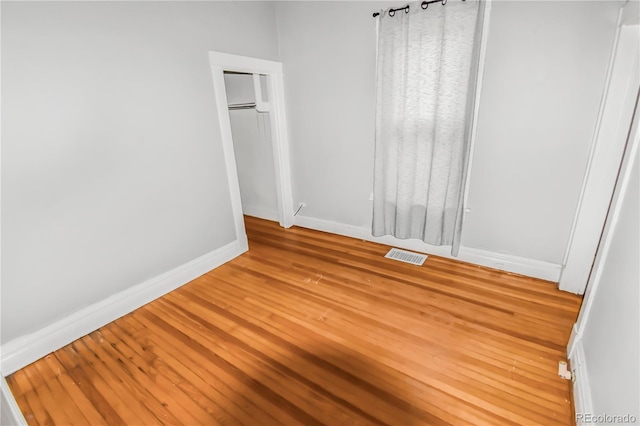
(424, 5)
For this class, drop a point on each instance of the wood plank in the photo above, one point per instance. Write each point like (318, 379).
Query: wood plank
(270, 372)
(84, 378)
(62, 400)
(242, 400)
(323, 369)
(159, 379)
(19, 383)
(113, 386)
(403, 363)
(273, 403)
(75, 393)
(153, 389)
(34, 410)
(501, 381)
(312, 328)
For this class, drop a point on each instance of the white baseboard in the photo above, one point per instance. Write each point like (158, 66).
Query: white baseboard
(581, 388)
(573, 340)
(510, 263)
(24, 350)
(260, 213)
(10, 414)
(519, 265)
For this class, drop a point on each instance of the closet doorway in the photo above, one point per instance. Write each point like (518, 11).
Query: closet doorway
(248, 105)
(267, 76)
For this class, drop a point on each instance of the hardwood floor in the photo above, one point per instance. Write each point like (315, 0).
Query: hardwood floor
(311, 328)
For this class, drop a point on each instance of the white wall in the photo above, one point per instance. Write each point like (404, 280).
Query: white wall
(253, 149)
(328, 53)
(544, 75)
(611, 327)
(112, 167)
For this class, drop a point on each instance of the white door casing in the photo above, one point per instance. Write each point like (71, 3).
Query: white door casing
(221, 62)
(610, 137)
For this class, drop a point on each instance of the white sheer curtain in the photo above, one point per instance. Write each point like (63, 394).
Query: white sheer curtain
(427, 68)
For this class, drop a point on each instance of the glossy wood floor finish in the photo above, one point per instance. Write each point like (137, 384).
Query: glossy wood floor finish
(310, 328)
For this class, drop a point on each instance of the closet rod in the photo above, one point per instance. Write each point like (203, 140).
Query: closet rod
(241, 106)
(424, 5)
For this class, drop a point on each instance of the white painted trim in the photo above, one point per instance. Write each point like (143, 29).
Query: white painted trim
(280, 146)
(506, 262)
(228, 151)
(594, 137)
(261, 105)
(245, 64)
(573, 341)
(11, 414)
(575, 350)
(518, 265)
(260, 213)
(221, 62)
(604, 161)
(630, 158)
(24, 350)
(581, 387)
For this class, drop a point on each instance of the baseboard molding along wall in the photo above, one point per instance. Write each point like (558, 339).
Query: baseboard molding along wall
(581, 388)
(260, 213)
(518, 265)
(24, 350)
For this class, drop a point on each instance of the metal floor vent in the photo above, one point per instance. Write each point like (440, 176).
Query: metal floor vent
(406, 256)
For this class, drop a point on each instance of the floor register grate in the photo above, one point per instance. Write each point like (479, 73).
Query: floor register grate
(406, 256)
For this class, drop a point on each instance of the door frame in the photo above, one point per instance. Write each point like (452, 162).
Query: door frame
(221, 62)
(610, 137)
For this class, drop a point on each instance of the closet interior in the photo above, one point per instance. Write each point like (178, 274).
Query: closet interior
(249, 107)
